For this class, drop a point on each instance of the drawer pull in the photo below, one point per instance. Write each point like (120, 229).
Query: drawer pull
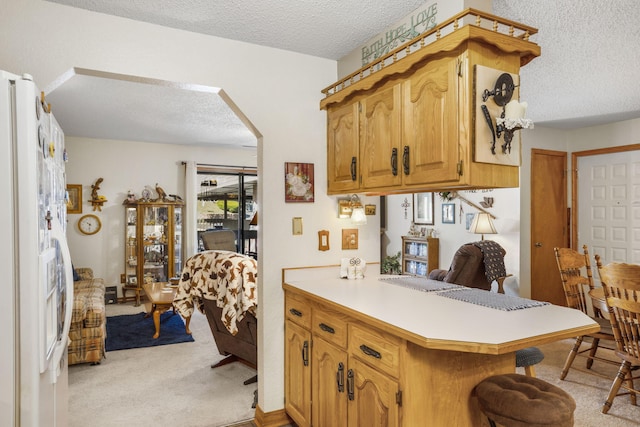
(327, 328)
(295, 312)
(370, 352)
(350, 384)
(340, 377)
(305, 353)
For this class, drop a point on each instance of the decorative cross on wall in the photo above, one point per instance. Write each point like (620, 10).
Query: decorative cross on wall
(405, 205)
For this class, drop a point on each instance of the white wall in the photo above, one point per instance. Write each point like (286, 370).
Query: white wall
(278, 91)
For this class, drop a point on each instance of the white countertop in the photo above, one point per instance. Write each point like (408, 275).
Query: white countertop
(440, 322)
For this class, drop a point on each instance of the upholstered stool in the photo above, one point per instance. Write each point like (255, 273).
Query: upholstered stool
(514, 400)
(527, 358)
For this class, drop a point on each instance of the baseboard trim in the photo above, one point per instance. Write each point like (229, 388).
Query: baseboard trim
(277, 418)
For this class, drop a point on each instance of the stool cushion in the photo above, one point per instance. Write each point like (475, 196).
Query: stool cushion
(515, 400)
(528, 357)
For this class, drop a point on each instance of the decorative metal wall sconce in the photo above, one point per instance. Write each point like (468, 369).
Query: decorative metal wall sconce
(352, 208)
(512, 117)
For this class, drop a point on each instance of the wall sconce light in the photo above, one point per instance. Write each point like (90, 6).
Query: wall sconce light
(358, 216)
(353, 208)
(512, 117)
(482, 224)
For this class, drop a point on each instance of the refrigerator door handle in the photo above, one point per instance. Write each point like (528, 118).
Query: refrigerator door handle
(58, 234)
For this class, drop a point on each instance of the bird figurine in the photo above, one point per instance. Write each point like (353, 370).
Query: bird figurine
(487, 202)
(161, 194)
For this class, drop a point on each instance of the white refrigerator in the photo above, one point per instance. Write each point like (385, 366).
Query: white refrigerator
(36, 279)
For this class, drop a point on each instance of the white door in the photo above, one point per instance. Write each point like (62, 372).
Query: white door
(609, 206)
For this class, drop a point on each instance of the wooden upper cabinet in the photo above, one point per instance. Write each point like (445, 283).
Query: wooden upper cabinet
(343, 136)
(406, 123)
(380, 148)
(431, 123)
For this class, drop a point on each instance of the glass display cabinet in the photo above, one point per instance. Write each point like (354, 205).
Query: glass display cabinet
(419, 255)
(153, 245)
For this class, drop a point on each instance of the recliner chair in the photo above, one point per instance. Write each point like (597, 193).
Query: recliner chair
(468, 269)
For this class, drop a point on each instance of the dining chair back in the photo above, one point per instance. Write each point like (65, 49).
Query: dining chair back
(577, 281)
(621, 283)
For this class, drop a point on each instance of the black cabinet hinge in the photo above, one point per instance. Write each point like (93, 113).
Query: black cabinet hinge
(399, 397)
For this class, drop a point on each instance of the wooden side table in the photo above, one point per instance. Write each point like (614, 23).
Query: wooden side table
(161, 296)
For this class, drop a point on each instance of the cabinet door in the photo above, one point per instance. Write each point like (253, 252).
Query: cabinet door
(155, 237)
(380, 147)
(430, 128)
(297, 387)
(342, 149)
(329, 379)
(374, 401)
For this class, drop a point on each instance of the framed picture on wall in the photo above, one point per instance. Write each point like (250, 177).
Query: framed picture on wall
(298, 182)
(74, 203)
(448, 213)
(469, 219)
(423, 208)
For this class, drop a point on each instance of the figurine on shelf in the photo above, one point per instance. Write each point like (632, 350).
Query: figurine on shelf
(131, 197)
(96, 200)
(161, 194)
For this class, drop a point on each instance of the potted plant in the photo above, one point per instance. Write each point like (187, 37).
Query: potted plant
(391, 264)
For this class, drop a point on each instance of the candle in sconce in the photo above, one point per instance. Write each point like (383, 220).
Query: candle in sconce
(515, 110)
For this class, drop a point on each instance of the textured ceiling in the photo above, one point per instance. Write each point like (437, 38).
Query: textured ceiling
(100, 105)
(587, 75)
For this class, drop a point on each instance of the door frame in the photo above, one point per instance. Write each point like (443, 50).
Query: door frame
(574, 181)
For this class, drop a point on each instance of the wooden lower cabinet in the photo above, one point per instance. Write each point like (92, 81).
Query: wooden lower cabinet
(339, 386)
(298, 373)
(328, 384)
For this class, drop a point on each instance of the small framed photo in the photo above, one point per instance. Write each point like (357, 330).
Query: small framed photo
(298, 182)
(448, 213)
(468, 220)
(369, 209)
(423, 208)
(74, 203)
(132, 279)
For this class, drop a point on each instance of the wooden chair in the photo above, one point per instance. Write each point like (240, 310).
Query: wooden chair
(621, 283)
(577, 281)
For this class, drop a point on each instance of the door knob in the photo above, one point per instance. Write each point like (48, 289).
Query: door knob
(538, 245)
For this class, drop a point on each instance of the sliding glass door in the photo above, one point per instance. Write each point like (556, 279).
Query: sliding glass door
(226, 201)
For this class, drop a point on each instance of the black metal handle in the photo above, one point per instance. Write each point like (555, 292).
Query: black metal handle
(405, 160)
(305, 353)
(394, 161)
(487, 118)
(327, 328)
(350, 384)
(370, 352)
(340, 377)
(354, 163)
(295, 312)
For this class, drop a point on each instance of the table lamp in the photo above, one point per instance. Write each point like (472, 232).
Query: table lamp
(482, 224)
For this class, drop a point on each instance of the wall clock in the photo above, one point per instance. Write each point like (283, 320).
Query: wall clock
(89, 224)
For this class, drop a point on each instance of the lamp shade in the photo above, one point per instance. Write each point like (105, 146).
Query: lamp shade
(482, 224)
(358, 216)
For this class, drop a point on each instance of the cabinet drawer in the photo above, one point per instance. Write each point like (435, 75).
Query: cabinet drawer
(376, 348)
(297, 310)
(330, 325)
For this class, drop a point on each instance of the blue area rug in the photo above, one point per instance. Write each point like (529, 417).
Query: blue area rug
(136, 331)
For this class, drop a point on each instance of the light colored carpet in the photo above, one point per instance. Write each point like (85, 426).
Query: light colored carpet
(170, 385)
(589, 391)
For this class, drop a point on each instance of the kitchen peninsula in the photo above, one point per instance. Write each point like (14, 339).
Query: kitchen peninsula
(372, 352)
